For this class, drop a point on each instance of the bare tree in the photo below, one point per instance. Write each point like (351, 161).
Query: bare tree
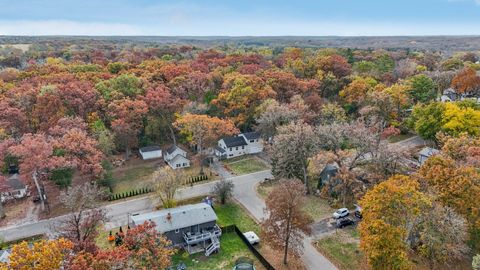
(166, 182)
(443, 236)
(80, 226)
(274, 115)
(294, 145)
(287, 223)
(223, 190)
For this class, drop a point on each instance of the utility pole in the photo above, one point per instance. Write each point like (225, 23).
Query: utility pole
(39, 189)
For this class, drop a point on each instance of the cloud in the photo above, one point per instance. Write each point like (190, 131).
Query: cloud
(180, 25)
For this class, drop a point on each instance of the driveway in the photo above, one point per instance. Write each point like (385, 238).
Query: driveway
(244, 192)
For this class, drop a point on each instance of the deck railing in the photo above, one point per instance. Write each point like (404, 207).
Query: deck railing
(202, 236)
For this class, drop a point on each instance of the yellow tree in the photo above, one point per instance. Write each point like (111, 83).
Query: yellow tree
(240, 97)
(458, 119)
(42, 255)
(390, 211)
(202, 130)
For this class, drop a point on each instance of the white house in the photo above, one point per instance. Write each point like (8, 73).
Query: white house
(242, 144)
(150, 152)
(176, 157)
(426, 153)
(14, 189)
(254, 142)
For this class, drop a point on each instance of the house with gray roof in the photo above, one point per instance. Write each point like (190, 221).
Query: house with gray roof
(426, 153)
(192, 227)
(14, 188)
(176, 157)
(242, 144)
(150, 152)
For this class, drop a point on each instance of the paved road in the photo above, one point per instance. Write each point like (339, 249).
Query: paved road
(117, 213)
(244, 192)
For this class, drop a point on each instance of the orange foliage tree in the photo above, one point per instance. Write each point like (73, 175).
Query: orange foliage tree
(466, 81)
(42, 255)
(287, 223)
(390, 211)
(202, 130)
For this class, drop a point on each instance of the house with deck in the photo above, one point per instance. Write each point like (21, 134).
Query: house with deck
(242, 144)
(192, 227)
(176, 157)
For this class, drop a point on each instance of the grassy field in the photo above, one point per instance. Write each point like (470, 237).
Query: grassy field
(231, 249)
(342, 249)
(316, 207)
(231, 213)
(244, 165)
(132, 178)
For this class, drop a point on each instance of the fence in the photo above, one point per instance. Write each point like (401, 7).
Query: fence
(234, 228)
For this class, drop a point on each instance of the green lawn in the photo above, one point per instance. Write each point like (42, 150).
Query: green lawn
(231, 248)
(315, 206)
(132, 178)
(342, 249)
(231, 213)
(244, 165)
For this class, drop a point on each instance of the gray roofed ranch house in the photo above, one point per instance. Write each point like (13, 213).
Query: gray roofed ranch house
(192, 227)
(14, 189)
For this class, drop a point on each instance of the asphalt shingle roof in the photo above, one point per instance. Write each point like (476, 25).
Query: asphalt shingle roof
(179, 217)
(251, 135)
(234, 141)
(150, 148)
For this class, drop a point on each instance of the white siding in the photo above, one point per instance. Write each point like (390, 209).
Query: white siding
(151, 154)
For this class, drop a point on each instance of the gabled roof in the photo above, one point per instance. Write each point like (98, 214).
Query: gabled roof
(178, 157)
(251, 135)
(15, 183)
(179, 217)
(150, 148)
(172, 149)
(427, 152)
(234, 141)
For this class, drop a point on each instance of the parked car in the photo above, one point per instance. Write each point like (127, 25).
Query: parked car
(358, 211)
(343, 222)
(252, 237)
(342, 212)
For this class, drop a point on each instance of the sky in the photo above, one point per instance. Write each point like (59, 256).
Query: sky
(240, 17)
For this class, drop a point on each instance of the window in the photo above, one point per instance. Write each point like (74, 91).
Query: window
(177, 165)
(252, 140)
(243, 147)
(184, 164)
(236, 148)
(177, 230)
(231, 155)
(230, 149)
